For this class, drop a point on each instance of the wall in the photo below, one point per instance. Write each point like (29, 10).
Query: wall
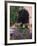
(2, 12)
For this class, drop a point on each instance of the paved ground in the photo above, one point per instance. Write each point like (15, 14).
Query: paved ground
(20, 35)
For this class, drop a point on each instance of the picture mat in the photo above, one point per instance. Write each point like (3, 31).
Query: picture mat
(8, 23)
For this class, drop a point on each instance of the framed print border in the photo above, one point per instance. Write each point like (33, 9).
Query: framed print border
(6, 22)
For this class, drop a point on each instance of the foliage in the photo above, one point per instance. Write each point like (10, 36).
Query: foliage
(13, 13)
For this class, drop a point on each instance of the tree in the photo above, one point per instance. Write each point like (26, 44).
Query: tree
(13, 14)
(23, 16)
